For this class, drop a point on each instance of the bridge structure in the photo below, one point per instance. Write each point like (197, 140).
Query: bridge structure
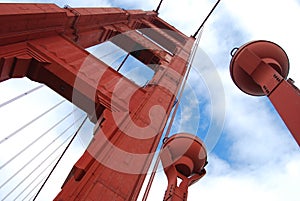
(46, 44)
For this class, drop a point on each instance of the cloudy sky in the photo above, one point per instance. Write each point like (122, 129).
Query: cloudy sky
(255, 157)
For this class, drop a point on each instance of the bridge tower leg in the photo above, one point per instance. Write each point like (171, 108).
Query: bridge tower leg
(47, 44)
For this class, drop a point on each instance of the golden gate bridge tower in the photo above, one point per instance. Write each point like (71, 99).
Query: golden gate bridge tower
(46, 44)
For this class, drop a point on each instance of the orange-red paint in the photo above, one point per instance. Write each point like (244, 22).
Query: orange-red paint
(183, 156)
(46, 44)
(261, 68)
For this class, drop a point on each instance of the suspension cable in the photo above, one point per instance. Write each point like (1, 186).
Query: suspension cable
(33, 120)
(33, 180)
(107, 54)
(21, 95)
(113, 52)
(158, 7)
(123, 62)
(189, 66)
(39, 165)
(36, 140)
(61, 156)
(204, 21)
(44, 149)
(37, 185)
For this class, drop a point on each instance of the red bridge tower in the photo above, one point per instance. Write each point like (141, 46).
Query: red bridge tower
(47, 44)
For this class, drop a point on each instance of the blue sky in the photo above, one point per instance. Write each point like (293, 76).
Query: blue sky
(255, 157)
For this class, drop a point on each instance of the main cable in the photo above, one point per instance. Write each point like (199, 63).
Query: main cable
(189, 66)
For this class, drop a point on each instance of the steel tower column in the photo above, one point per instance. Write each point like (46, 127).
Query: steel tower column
(46, 44)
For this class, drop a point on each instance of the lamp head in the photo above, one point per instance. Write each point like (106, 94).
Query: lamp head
(268, 52)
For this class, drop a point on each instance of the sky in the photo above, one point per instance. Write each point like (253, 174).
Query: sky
(253, 158)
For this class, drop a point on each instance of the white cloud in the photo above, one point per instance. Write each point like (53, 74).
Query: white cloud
(274, 182)
(271, 20)
(264, 156)
(186, 16)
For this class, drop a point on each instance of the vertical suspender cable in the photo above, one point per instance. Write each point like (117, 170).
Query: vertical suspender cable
(34, 189)
(33, 120)
(193, 53)
(60, 157)
(211, 11)
(123, 62)
(158, 7)
(34, 141)
(39, 153)
(27, 176)
(33, 180)
(171, 120)
(20, 96)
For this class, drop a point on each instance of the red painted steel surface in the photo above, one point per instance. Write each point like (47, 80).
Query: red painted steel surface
(261, 68)
(183, 156)
(45, 43)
